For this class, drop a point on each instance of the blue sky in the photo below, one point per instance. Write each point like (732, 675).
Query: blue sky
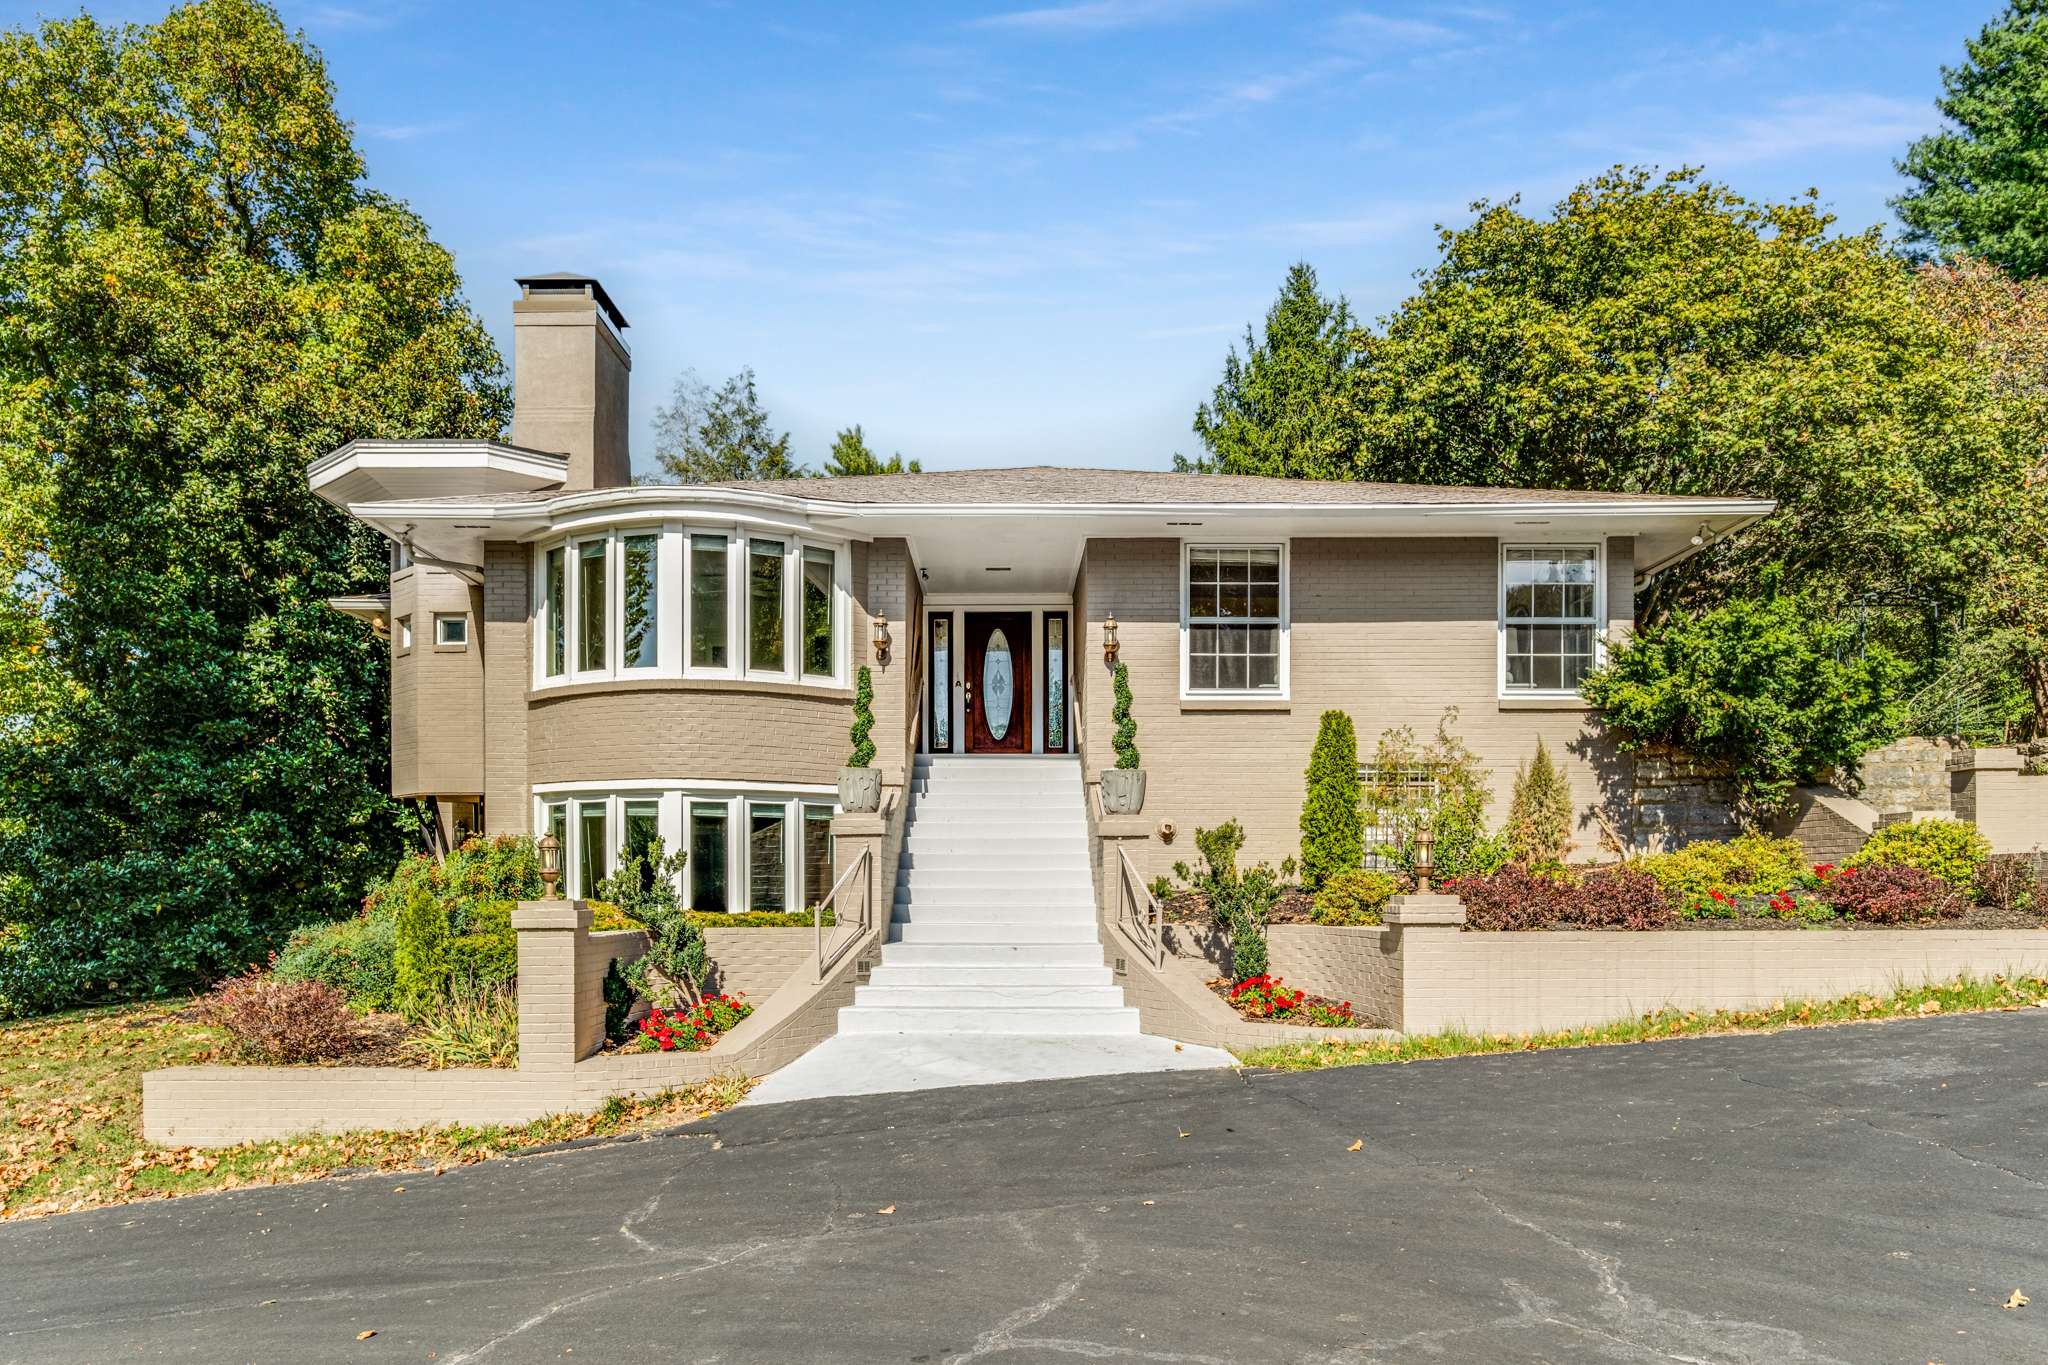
(1006, 234)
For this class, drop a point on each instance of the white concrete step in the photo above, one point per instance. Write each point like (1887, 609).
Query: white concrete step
(1040, 1020)
(1004, 955)
(962, 883)
(979, 996)
(996, 859)
(1049, 977)
(923, 912)
(995, 843)
(1017, 932)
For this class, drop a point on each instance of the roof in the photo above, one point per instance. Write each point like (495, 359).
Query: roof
(554, 279)
(1151, 487)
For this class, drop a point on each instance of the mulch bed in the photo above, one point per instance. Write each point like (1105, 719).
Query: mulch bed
(1295, 906)
(1976, 917)
(1221, 985)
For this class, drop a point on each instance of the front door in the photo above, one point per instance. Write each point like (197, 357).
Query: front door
(996, 683)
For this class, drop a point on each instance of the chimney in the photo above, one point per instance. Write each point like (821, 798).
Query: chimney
(569, 377)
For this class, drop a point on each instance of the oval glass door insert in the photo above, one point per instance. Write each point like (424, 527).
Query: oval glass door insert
(996, 692)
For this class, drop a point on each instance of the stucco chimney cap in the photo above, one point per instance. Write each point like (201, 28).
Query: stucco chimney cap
(567, 281)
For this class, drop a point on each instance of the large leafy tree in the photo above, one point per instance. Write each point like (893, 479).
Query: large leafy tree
(1663, 334)
(1981, 186)
(706, 435)
(1288, 406)
(199, 295)
(852, 455)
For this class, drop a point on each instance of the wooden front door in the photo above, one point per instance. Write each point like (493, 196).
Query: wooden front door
(996, 683)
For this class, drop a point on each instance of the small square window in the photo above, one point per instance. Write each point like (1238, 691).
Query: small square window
(405, 632)
(451, 632)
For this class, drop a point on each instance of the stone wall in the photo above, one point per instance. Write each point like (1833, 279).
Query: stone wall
(1676, 800)
(1908, 775)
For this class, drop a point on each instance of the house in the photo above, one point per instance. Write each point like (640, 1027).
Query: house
(578, 654)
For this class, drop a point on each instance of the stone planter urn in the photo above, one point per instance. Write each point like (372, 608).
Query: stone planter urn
(1123, 791)
(860, 789)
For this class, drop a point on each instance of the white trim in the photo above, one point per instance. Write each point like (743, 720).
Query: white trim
(1284, 691)
(1598, 621)
(1000, 601)
(716, 786)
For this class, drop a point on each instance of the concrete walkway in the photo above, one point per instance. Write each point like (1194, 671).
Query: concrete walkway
(874, 1064)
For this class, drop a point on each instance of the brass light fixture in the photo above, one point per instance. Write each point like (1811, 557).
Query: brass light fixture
(550, 863)
(1423, 840)
(1109, 645)
(881, 638)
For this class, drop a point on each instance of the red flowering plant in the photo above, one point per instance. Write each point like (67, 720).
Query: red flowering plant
(1268, 997)
(691, 1030)
(1715, 904)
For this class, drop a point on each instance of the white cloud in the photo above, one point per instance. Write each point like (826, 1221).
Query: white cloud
(1363, 26)
(1098, 16)
(1795, 126)
(408, 132)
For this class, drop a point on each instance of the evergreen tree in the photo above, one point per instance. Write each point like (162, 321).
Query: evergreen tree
(1982, 186)
(201, 296)
(1332, 828)
(851, 455)
(1288, 407)
(1540, 811)
(715, 436)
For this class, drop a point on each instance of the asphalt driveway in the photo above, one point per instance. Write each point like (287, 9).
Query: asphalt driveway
(1860, 1194)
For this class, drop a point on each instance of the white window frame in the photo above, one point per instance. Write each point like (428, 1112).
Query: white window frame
(675, 609)
(674, 799)
(1285, 622)
(402, 636)
(1597, 622)
(442, 619)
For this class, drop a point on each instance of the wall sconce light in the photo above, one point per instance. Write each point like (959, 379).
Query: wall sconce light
(881, 638)
(550, 863)
(1109, 645)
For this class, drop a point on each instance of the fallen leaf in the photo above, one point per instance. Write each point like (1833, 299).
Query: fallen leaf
(1183, 1132)
(1149, 1203)
(1930, 1007)
(399, 1190)
(2016, 1300)
(365, 1336)
(890, 1209)
(1360, 1143)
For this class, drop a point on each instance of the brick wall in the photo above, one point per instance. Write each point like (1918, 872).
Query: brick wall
(437, 700)
(756, 961)
(1390, 630)
(508, 669)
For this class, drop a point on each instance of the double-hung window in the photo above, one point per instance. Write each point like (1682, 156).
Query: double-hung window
(1550, 604)
(1235, 619)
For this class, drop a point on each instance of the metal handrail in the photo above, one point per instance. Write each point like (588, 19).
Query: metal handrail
(860, 923)
(1138, 913)
(1079, 735)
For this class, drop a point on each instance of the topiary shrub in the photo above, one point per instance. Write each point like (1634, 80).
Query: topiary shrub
(421, 965)
(1952, 850)
(1355, 897)
(1539, 828)
(1124, 739)
(1332, 829)
(1892, 894)
(861, 732)
(355, 956)
(1752, 865)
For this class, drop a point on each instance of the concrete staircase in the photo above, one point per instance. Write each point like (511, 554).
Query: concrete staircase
(993, 927)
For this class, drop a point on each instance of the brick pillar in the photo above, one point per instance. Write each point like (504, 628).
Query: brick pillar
(855, 833)
(1118, 834)
(551, 1027)
(1426, 933)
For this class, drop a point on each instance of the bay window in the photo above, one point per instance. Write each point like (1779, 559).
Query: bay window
(1233, 604)
(641, 635)
(1550, 618)
(593, 847)
(819, 564)
(765, 644)
(748, 849)
(555, 595)
(590, 605)
(708, 603)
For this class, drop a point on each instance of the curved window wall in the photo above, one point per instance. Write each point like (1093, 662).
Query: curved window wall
(692, 602)
(750, 847)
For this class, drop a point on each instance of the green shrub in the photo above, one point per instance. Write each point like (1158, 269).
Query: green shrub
(472, 1027)
(756, 919)
(863, 719)
(675, 964)
(1455, 811)
(1460, 846)
(481, 961)
(1950, 849)
(421, 966)
(606, 918)
(1355, 897)
(1758, 686)
(1124, 739)
(355, 956)
(1752, 865)
(1332, 830)
(618, 1001)
(1539, 826)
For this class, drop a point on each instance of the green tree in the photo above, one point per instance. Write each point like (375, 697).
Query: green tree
(1332, 827)
(1288, 407)
(1540, 811)
(1762, 687)
(200, 297)
(1981, 186)
(851, 455)
(704, 435)
(1662, 334)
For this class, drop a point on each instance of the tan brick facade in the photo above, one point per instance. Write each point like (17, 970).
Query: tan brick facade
(437, 693)
(1390, 630)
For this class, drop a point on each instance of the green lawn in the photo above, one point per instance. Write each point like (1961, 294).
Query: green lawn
(71, 1119)
(1966, 995)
